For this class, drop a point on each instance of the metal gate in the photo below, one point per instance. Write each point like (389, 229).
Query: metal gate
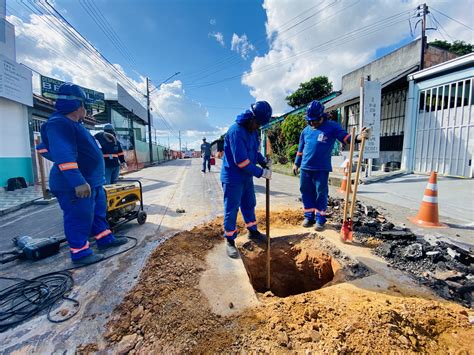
(445, 129)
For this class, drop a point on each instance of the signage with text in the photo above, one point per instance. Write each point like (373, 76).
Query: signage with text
(371, 94)
(15, 82)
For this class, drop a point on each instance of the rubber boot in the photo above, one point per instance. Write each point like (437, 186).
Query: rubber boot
(319, 226)
(114, 243)
(232, 251)
(89, 259)
(256, 236)
(307, 223)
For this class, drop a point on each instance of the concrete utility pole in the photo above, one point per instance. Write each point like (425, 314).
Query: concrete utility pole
(150, 144)
(179, 137)
(424, 9)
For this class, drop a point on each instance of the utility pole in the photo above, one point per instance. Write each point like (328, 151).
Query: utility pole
(424, 9)
(150, 144)
(179, 137)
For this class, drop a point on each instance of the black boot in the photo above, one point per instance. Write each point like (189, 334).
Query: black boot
(114, 243)
(255, 235)
(308, 222)
(232, 251)
(89, 259)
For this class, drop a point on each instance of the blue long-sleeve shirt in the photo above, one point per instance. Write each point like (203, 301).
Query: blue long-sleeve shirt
(76, 155)
(241, 154)
(315, 146)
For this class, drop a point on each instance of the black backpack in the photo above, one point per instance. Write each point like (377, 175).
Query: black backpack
(16, 183)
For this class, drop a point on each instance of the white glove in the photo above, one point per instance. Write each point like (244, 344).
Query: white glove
(269, 163)
(267, 174)
(365, 133)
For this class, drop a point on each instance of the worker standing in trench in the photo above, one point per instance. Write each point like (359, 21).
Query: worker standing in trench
(241, 154)
(77, 176)
(314, 160)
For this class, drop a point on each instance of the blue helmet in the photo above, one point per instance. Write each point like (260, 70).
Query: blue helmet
(109, 128)
(262, 112)
(70, 98)
(315, 111)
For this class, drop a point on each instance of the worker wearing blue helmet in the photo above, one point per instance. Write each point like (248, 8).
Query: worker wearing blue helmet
(313, 161)
(77, 176)
(239, 166)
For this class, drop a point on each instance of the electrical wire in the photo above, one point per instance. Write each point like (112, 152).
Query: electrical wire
(26, 298)
(453, 19)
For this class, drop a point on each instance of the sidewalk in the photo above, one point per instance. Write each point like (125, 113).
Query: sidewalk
(14, 200)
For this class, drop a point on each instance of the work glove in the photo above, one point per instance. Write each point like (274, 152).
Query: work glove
(296, 169)
(83, 191)
(109, 137)
(269, 163)
(267, 174)
(365, 133)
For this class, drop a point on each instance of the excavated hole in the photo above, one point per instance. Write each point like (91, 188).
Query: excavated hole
(297, 265)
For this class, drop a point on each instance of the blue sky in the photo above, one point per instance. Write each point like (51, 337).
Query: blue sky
(279, 43)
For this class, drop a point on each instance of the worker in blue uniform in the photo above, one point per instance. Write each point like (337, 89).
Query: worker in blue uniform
(239, 166)
(114, 156)
(206, 155)
(313, 161)
(77, 176)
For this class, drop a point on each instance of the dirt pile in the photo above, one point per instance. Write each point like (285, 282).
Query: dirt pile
(346, 319)
(166, 313)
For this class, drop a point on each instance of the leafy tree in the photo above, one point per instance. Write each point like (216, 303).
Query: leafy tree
(291, 128)
(308, 91)
(458, 47)
(277, 142)
(291, 152)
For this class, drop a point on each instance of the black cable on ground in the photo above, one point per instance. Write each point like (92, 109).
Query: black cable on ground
(26, 298)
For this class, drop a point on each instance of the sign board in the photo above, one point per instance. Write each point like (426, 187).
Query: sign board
(50, 88)
(371, 94)
(15, 82)
(127, 101)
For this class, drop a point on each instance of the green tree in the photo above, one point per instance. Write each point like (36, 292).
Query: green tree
(291, 128)
(308, 91)
(458, 47)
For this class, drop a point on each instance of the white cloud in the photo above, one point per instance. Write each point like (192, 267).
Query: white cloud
(213, 21)
(280, 71)
(242, 45)
(218, 36)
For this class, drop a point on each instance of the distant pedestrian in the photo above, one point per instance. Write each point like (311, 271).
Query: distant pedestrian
(206, 155)
(114, 156)
(77, 176)
(314, 159)
(241, 154)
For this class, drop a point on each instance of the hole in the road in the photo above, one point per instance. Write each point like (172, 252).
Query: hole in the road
(296, 265)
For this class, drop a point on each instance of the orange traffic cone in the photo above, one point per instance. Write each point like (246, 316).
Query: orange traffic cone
(342, 190)
(428, 214)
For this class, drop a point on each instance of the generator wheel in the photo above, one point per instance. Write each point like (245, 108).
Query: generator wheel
(141, 217)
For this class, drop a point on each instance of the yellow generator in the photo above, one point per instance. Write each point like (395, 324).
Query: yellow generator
(124, 202)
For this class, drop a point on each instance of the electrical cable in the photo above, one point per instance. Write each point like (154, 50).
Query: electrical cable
(26, 298)
(453, 19)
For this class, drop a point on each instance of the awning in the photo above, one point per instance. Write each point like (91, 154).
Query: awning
(355, 93)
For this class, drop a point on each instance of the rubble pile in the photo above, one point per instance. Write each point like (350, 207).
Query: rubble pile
(435, 262)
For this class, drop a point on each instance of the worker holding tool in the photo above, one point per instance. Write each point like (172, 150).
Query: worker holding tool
(239, 166)
(114, 156)
(77, 176)
(206, 155)
(314, 160)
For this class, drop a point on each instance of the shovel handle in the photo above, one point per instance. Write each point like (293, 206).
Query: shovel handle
(349, 173)
(356, 180)
(267, 227)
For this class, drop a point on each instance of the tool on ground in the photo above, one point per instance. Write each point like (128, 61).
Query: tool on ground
(122, 199)
(267, 227)
(346, 228)
(31, 249)
(428, 216)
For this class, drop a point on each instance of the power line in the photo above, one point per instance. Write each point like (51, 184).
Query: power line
(453, 19)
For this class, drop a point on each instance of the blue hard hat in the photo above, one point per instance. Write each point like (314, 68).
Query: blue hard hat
(108, 127)
(262, 112)
(315, 111)
(70, 98)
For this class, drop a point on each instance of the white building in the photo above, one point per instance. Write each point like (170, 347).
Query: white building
(439, 125)
(16, 96)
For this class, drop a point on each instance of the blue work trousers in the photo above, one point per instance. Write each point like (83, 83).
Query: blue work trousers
(206, 159)
(239, 195)
(314, 193)
(84, 217)
(111, 175)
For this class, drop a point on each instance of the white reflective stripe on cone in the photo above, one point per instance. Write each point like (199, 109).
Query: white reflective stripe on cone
(433, 187)
(430, 199)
